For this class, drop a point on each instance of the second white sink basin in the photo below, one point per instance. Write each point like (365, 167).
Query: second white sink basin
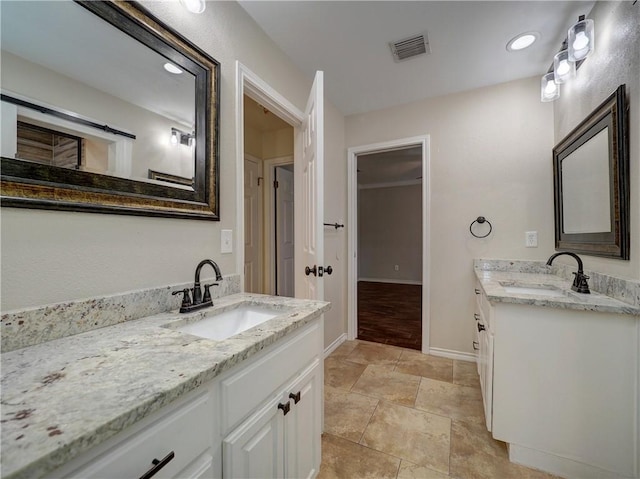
(534, 290)
(229, 323)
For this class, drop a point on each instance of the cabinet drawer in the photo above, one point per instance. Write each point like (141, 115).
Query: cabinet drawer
(181, 431)
(242, 392)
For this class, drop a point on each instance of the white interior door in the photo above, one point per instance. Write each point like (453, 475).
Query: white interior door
(309, 197)
(252, 226)
(284, 231)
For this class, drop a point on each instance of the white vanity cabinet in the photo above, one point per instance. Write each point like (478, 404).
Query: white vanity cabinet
(484, 341)
(561, 387)
(233, 427)
(281, 405)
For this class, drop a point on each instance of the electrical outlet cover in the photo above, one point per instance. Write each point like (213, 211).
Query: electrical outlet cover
(531, 239)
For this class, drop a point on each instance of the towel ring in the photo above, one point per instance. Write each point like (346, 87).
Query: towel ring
(480, 220)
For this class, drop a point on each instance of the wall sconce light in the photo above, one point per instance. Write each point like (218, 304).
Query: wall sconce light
(563, 68)
(581, 39)
(578, 44)
(182, 138)
(549, 89)
(194, 6)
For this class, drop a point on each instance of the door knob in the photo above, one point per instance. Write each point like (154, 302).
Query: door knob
(309, 271)
(328, 270)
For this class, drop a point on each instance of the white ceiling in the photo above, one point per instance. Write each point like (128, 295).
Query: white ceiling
(349, 41)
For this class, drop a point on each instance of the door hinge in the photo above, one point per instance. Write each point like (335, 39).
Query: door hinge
(276, 184)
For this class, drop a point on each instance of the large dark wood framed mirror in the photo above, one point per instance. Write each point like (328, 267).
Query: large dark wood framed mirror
(591, 183)
(106, 109)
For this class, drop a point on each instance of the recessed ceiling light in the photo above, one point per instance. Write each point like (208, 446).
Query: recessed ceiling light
(522, 41)
(194, 6)
(171, 68)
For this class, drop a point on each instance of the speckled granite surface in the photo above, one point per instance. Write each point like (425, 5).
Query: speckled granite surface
(493, 275)
(62, 397)
(38, 325)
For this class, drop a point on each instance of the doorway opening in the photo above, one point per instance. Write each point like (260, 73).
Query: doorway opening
(388, 250)
(268, 202)
(390, 247)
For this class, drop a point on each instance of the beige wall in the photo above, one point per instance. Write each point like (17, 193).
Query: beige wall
(335, 210)
(490, 156)
(615, 60)
(390, 233)
(276, 144)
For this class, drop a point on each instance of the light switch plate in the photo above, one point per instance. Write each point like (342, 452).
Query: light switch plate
(531, 239)
(226, 241)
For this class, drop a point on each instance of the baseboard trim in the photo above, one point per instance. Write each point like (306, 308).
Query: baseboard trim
(393, 281)
(334, 345)
(452, 354)
(554, 464)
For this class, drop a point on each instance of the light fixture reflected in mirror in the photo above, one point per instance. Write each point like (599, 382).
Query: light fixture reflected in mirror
(171, 68)
(194, 6)
(549, 89)
(182, 138)
(581, 39)
(563, 68)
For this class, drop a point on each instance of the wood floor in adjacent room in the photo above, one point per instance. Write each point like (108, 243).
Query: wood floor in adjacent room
(390, 313)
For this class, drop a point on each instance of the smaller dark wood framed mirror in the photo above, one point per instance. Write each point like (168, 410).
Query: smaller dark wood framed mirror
(591, 183)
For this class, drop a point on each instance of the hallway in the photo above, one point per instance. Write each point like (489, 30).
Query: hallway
(393, 413)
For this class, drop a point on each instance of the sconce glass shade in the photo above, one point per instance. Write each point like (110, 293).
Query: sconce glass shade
(549, 89)
(194, 6)
(581, 39)
(563, 68)
(174, 136)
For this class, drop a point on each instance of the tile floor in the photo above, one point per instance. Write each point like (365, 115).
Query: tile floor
(395, 413)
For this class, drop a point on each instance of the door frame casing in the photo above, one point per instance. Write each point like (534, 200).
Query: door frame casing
(352, 226)
(250, 84)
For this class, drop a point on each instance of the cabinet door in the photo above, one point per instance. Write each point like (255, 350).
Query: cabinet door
(255, 449)
(304, 424)
(486, 377)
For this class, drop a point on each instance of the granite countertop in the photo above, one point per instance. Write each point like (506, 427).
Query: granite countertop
(493, 283)
(62, 397)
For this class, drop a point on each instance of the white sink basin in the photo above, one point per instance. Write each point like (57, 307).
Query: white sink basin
(534, 290)
(229, 323)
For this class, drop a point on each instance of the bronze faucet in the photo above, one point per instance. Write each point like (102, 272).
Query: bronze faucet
(580, 284)
(199, 301)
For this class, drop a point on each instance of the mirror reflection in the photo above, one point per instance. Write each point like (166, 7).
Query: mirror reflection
(106, 104)
(585, 187)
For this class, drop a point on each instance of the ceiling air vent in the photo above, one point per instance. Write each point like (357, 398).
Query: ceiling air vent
(410, 47)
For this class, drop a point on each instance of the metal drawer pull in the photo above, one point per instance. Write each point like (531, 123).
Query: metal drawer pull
(157, 465)
(480, 327)
(295, 397)
(285, 407)
(476, 316)
(477, 291)
(475, 345)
